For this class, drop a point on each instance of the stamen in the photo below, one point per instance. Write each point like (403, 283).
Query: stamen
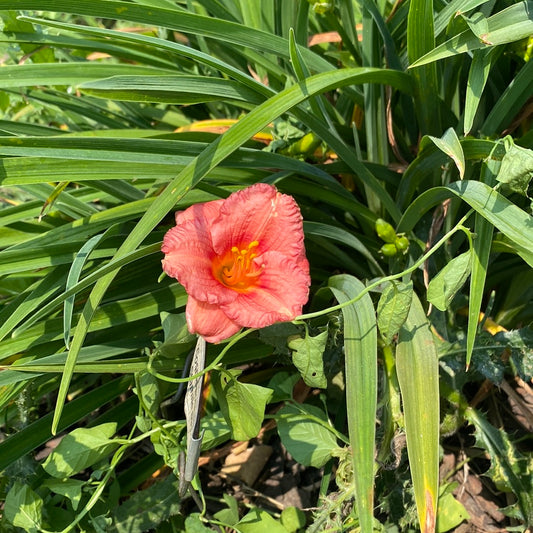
(236, 269)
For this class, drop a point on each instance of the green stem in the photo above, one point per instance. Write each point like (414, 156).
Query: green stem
(208, 368)
(392, 410)
(392, 277)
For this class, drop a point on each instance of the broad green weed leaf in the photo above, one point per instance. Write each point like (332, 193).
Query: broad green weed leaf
(194, 524)
(259, 521)
(516, 169)
(449, 144)
(307, 358)
(230, 515)
(80, 449)
(23, 508)
(450, 513)
(292, 519)
(243, 405)
(282, 383)
(447, 283)
(393, 308)
(309, 441)
(216, 430)
(148, 508)
(175, 331)
(70, 488)
(276, 336)
(149, 391)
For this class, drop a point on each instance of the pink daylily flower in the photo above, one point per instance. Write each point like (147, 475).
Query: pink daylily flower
(241, 260)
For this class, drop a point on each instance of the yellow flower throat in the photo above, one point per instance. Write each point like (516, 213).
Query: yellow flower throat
(236, 269)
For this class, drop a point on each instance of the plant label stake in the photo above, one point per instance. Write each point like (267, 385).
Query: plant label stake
(193, 402)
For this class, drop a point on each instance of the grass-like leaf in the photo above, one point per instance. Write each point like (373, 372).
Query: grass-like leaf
(511, 24)
(418, 375)
(360, 346)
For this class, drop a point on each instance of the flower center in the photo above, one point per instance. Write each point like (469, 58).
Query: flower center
(236, 269)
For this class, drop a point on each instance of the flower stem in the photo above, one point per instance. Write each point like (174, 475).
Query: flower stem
(392, 277)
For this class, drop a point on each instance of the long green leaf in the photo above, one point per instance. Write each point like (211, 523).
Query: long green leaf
(512, 99)
(511, 24)
(67, 73)
(184, 90)
(178, 20)
(513, 222)
(418, 375)
(477, 78)
(73, 276)
(480, 261)
(360, 348)
(421, 39)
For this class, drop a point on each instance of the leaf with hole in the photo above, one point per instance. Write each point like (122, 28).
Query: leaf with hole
(307, 358)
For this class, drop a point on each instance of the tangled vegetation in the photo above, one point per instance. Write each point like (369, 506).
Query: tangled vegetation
(401, 399)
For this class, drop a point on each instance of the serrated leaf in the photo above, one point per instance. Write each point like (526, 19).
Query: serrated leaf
(80, 449)
(516, 169)
(242, 404)
(307, 440)
(521, 345)
(23, 507)
(447, 283)
(148, 508)
(509, 470)
(393, 308)
(307, 358)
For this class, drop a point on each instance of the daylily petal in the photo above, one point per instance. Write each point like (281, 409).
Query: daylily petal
(188, 258)
(209, 321)
(202, 214)
(259, 214)
(281, 292)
